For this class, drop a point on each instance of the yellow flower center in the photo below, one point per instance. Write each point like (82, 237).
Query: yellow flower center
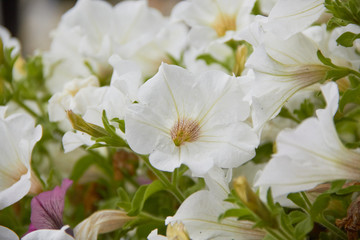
(185, 130)
(223, 23)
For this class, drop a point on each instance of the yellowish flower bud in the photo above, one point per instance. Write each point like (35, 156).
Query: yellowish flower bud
(80, 124)
(177, 231)
(251, 199)
(103, 221)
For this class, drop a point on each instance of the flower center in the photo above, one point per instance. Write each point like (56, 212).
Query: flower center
(185, 130)
(223, 23)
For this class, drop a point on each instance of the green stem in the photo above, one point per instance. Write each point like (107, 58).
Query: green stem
(174, 177)
(307, 201)
(356, 73)
(26, 108)
(323, 221)
(152, 217)
(274, 234)
(164, 179)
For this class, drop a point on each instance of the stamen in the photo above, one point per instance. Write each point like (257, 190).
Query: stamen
(223, 23)
(185, 130)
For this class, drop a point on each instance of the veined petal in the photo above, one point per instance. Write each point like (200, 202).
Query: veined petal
(287, 18)
(281, 68)
(199, 213)
(47, 208)
(103, 221)
(311, 154)
(17, 139)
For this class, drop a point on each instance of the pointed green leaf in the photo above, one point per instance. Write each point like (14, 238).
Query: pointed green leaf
(142, 194)
(304, 227)
(297, 199)
(297, 216)
(347, 39)
(350, 96)
(81, 166)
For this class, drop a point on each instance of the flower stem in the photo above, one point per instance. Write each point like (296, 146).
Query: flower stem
(323, 221)
(164, 179)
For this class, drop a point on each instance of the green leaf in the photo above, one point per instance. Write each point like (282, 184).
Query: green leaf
(81, 166)
(143, 193)
(336, 185)
(306, 110)
(304, 227)
(347, 39)
(122, 193)
(348, 190)
(350, 96)
(121, 123)
(263, 153)
(297, 216)
(337, 73)
(326, 61)
(320, 204)
(239, 213)
(285, 113)
(297, 199)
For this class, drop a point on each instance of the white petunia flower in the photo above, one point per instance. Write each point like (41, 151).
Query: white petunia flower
(192, 119)
(17, 139)
(213, 19)
(311, 154)
(199, 213)
(281, 68)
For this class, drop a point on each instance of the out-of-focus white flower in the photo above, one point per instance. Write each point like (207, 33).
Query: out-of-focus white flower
(281, 68)
(192, 119)
(6, 41)
(311, 154)
(199, 213)
(218, 51)
(213, 20)
(287, 18)
(93, 30)
(17, 139)
(7, 234)
(66, 100)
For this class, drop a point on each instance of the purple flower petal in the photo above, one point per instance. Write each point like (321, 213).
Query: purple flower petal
(47, 208)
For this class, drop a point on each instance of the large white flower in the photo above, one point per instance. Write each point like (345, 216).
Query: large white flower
(17, 139)
(281, 68)
(199, 213)
(213, 19)
(195, 120)
(311, 154)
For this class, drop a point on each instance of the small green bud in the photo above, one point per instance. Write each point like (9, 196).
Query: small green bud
(80, 124)
(251, 199)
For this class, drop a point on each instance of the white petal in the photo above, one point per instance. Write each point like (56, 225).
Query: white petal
(199, 213)
(46, 234)
(7, 234)
(287, 18)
